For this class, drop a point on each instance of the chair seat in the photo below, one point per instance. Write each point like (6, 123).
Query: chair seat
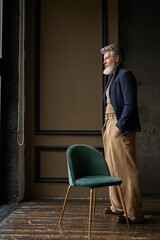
(97, 181)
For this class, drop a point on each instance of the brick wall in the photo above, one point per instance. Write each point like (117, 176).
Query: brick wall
(10, 78)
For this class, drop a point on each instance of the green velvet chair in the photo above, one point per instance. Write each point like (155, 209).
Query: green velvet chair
(88, 168)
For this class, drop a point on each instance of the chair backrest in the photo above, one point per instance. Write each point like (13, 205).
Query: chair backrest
(84, 160)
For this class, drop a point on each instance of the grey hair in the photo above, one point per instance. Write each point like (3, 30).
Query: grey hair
(115, 49)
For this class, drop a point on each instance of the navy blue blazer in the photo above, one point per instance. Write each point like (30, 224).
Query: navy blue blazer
(123, 97)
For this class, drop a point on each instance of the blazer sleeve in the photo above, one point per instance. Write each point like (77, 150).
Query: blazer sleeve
(128, 86)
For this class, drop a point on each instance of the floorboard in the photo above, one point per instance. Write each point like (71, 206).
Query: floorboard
(39, 220)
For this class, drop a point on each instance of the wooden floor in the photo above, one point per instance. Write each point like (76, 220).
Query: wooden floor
(39, 220)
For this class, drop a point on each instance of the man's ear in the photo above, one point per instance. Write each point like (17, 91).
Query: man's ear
(117, 59)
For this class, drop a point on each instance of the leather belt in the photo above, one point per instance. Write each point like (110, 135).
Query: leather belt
(110, 116)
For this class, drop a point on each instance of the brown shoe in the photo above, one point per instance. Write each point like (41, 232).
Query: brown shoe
(122, 219)
(107, 210)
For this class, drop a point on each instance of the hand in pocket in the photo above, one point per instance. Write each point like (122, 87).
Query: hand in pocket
(117, 132)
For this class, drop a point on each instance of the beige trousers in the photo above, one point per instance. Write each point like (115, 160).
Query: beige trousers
(121, 159)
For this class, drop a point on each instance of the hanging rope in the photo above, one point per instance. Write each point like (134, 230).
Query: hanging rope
(21, 98)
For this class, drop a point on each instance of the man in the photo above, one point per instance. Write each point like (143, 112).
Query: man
(119, 132)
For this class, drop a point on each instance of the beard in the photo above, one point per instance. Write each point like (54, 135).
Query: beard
(109, 70)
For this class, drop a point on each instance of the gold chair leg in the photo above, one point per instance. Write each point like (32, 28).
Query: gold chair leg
(94, 201)
(90, 213)
(64, 204)
(123, 204)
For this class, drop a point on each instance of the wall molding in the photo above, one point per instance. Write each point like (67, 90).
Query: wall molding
(38, 130)
(38, 150)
